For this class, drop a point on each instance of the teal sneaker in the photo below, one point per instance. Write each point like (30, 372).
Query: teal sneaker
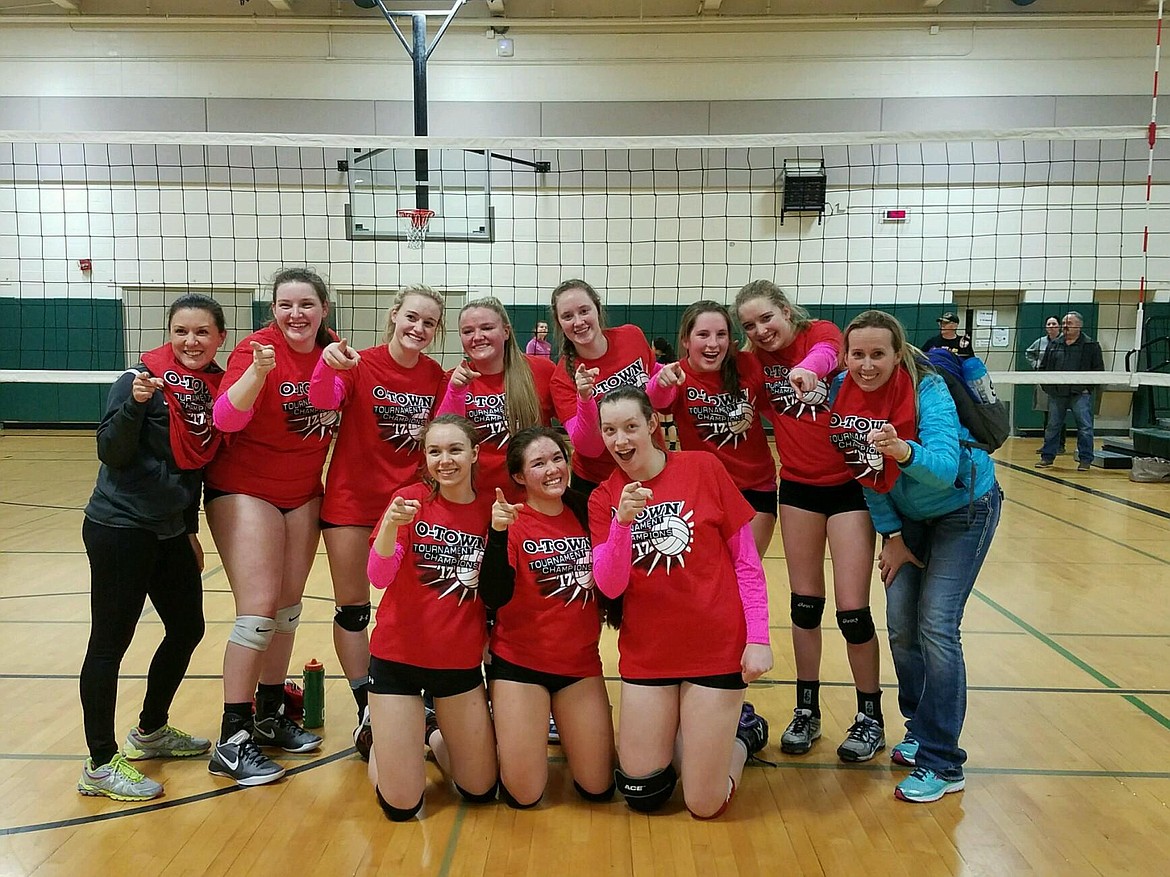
(906, 752)
(924, 786)
(166, 742)
(118, 779)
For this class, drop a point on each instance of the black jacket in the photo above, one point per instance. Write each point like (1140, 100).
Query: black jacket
(1083, 355)
(139, 485)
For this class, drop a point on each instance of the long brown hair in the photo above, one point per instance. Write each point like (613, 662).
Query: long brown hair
(311, 277)
(728, 370)
(521, 404)
(568, 348)
(463, 425)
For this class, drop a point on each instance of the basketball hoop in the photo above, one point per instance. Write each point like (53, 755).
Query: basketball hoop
(414, 222)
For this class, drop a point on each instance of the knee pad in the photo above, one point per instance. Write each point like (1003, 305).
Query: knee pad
(288, 618)
(352, 618)
(397, 814)
(596, 797)
(483, 798)
(722, 807)
(649, 793)
(856, 626)
(807, 611)
(253, 632)
(511, 801)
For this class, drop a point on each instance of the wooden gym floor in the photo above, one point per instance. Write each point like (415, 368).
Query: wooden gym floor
(1068, 648)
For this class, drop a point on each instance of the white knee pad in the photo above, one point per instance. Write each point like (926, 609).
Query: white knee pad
(253, 632)
(288, 618)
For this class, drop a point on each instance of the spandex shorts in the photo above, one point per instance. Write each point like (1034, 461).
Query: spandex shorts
(502, 670)
(726, 681)
(210, 493)
(391, 677)
(835, 499)
(763, 501)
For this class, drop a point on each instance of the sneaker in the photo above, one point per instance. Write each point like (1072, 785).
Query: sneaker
(554, 735)
(866, 738)
(363, 736)
(118, 779)
(906, 752)
(166, 742)
(798, 737)
(281, 731)
(924, 786)
(1043, 463)
(752, 730)
(1084, 466)
(240, 759)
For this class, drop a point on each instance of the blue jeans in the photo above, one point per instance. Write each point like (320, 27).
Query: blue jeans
(1082, 408)
(924, 609)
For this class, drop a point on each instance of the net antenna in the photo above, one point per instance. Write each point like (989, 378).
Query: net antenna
(419, 52)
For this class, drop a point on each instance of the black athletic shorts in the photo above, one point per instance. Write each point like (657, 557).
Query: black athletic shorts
(391, 677)
(506, 671)
(828, 501)
(726, 681)
(210, 493)
(763, 501)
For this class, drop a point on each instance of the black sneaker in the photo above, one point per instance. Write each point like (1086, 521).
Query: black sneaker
(240, 759)
(866, 738)
(752, 730)
(281, 731)
(363, 736)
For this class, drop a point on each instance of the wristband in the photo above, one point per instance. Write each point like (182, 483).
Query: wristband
(891, 535)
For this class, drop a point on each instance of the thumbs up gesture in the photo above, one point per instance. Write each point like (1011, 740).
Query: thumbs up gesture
(339, 355)
(144, 386)
(504, 513)
(263, 358)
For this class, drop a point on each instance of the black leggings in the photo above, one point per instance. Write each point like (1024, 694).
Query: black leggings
(126, 566)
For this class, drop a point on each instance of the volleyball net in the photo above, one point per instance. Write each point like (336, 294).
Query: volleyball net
(99, 232)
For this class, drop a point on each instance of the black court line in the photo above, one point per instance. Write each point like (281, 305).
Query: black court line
(163, 805)
(37, 505)
(1054, 479)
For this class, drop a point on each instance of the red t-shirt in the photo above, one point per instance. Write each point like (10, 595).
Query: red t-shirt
(485, 410)
(682, 614)
(628, 362)
(802, 428)
(552, 623)
(431, 615)
(709, 419)
(279, 455)
(378, 448)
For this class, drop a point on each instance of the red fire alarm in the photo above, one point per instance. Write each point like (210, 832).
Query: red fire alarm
(85, 264)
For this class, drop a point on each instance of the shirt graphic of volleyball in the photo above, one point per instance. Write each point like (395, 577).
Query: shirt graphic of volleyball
(662, 533)
(784, 398)
(401, 417)
(300, 415)
(448, 560)
(488, 414)
(721, 418)
(562, 567)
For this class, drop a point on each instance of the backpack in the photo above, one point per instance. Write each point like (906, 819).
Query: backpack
(988, 421)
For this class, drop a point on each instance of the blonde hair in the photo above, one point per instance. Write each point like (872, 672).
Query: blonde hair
(521, 404)
(797, 315)
(401, 296)
(912, 359)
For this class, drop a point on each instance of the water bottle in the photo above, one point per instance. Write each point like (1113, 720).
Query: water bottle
(975, 373)
(314, 679)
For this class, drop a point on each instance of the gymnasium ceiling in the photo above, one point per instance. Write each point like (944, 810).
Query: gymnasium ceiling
(617, 15)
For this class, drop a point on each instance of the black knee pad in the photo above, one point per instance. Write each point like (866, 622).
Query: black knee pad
(511, 801)
(807, 611)
(397, 814)
(484, 798)
(352, 618)
(649, 793)
(596, 797)
(856, 626)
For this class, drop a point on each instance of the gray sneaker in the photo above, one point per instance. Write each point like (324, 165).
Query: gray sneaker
(281, 731)
(240, 759)
(798, 737)
(866, 738)
(118, 779)
(166, 742)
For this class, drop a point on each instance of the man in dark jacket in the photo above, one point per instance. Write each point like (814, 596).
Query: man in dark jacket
(1074, 352)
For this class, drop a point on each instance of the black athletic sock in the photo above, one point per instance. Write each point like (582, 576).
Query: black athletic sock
(269, 700)
(361, 694)
(236, 717)
(871, 705)
(102, 756)
(808, 696)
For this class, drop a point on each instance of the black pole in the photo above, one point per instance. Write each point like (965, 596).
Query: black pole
(422, 175)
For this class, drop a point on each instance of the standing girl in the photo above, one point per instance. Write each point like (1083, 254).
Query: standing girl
(671, 533)
(387, 394)
(935, 500)
(140, 536)
(594, 360)
(819, 502)
(263, 507)
(715, 396)
(431, 628)
(538, 576)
